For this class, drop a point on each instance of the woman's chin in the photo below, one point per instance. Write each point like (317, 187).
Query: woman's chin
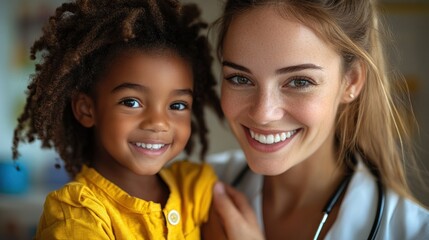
(266, 168)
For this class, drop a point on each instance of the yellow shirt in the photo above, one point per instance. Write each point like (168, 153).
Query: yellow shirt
(91, 207)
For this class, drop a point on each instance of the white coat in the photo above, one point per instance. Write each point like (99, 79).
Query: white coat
(402, 218)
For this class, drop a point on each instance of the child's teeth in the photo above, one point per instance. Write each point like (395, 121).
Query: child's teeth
(150, 146)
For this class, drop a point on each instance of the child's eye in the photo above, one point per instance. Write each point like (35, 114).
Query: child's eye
(179, 106)
(132, 103)
(239, 80)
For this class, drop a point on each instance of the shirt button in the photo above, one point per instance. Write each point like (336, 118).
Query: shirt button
(173, 217)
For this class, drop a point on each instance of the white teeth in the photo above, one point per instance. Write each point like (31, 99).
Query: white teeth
(277, 138)
(150, 146)
(272, 138)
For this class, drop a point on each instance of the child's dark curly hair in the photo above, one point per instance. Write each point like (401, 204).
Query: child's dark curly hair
(76, 46)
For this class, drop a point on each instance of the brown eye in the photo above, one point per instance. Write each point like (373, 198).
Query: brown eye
(179, 106)
(132, 103)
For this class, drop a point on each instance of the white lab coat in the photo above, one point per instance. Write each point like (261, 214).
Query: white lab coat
(402, 218)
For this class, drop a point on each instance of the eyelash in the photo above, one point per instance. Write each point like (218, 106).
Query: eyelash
(231, 80)
(308, 81)
(130, 102)
(185, 106)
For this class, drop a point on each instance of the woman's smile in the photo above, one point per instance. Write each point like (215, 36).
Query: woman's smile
(271, 138)
(288, 93)
(269, 142)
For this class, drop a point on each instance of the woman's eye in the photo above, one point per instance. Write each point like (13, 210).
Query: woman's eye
(178, 106)
(299, 83)
(239, 80)
(132, 103)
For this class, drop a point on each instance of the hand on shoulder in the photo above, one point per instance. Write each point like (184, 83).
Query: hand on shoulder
(231, 216)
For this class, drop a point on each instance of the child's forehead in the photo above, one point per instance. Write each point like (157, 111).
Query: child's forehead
(146, 68)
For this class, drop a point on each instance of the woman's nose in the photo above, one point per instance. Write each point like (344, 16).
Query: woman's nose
(268, 106)
(155, 119)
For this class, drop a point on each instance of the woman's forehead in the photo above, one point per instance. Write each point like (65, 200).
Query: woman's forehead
(262, 36)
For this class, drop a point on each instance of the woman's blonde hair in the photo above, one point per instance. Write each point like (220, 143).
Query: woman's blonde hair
(376, 124)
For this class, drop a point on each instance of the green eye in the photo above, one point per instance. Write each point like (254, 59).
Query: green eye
(298, 83)
(239, 80)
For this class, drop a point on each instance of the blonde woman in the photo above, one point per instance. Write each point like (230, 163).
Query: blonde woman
(306, 93)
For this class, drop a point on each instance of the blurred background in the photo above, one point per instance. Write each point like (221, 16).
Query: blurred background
(22, 193)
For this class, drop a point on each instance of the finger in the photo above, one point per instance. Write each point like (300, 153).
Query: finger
(225, 207)
(241, 202)
(229, 204)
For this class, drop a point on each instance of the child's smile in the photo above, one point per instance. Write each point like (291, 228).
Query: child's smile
(142, 112)
(150, 146)
(150, 149)
(113, 94)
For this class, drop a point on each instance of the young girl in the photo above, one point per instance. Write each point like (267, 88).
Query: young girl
(318, 124)
(121, 88)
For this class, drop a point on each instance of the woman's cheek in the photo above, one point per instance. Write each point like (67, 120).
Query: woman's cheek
(229, 101)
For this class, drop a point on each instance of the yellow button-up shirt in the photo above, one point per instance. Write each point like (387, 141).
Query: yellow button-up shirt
(92, 207)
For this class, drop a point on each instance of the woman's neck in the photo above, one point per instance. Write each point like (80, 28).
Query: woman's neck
(295, 199)
(305, 182)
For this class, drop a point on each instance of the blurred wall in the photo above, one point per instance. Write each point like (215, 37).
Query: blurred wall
(409, 55)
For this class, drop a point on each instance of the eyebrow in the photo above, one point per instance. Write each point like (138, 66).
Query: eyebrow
(141, 88)
(129, 86)
(289, 69)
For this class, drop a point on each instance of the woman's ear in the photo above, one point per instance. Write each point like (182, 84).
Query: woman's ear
(355, 79)
(83, 109)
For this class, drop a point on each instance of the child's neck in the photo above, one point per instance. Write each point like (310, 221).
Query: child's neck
(146, 187)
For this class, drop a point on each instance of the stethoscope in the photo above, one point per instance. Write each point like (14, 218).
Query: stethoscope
(334, 199)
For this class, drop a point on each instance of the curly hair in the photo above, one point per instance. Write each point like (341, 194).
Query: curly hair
(76, 46)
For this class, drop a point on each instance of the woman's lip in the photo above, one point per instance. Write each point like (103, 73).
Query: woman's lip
(272, 147)
(268, 132)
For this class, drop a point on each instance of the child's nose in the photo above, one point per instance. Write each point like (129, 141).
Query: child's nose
(155, 120)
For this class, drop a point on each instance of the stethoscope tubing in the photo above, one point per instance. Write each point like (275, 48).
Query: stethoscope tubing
(379, 212)
(380, 202)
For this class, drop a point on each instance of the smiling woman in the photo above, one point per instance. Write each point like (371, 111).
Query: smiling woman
(307, 96)
(282, 70)
(120, 91)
